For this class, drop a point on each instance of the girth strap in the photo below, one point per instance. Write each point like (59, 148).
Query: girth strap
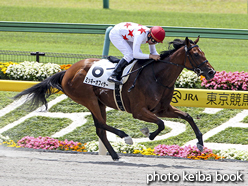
(118, 98)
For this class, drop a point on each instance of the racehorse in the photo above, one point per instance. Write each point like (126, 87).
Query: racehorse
(147, 101)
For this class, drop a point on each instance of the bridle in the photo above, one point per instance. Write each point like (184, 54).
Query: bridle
(195, 67)
(192, 61)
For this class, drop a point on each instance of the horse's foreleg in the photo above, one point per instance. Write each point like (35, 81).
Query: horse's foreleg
(173, 112)
(145, 115)
(99, 116)
(102, 135)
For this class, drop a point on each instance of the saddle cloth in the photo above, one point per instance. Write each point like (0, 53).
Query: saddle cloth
(101, 70)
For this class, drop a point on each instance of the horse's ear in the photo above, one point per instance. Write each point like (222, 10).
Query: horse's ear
(196, 41)
(187, 42)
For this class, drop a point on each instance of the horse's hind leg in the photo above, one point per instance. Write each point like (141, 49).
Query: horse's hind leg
(173, 112)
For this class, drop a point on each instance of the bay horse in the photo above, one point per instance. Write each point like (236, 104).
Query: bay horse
(149, 100)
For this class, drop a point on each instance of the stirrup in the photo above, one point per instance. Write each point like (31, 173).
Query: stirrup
(114, 80)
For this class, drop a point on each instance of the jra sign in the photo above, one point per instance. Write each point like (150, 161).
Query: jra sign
(210, 98)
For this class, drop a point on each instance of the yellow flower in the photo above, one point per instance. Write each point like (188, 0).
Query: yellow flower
(11, 143)
(136, 151)
(4, 66)
(148, 151)
(4, 70)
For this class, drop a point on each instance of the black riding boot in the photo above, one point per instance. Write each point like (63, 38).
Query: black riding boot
(117, 71)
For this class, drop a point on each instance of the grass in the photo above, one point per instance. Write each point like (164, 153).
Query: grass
(4, 98)
(37, 126)
(17, 113)
(224, 54)
(232, 135)
(245, 120)
(68, 106)
(205, 123)
(116, 119)
(12, 116)
(194, 6)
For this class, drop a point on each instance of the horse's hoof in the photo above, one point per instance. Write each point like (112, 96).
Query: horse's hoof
(128, 140)
(145, 131)
(199, 146)
(115, 157)
(120, 160)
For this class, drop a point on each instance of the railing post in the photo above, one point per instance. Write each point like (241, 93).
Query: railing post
(102, 149)
(106, 43)
(37, 54)
(106, 4)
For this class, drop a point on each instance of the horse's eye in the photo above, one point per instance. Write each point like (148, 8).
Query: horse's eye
(196, 54)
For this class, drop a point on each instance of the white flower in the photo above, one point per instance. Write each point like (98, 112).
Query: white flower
(4, 138)
(187, 79)
(32, 70)
(119, 147)
(234, 154)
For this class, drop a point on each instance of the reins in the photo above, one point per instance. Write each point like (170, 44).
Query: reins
(139, 71)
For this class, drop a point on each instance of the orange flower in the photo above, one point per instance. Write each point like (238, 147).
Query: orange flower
(65, 67)
(202, 77)
(205, 157)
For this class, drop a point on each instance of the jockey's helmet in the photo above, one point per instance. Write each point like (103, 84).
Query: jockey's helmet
(157, 33)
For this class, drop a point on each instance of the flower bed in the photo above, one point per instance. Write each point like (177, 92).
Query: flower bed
(29, 71)
(177, 151)
(227, 81)
(160, 150)
(49, 143)
(234, 154)
(187, 79)
(6, 141)
(119, 147)
(3, 68)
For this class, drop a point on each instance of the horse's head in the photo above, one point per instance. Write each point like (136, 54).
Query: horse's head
(196, 60)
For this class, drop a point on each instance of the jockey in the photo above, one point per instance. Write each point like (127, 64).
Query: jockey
(127, 37)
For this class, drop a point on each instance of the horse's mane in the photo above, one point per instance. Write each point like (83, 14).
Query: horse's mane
(177, 43)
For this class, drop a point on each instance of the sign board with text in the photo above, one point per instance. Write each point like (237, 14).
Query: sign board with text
(210, 98)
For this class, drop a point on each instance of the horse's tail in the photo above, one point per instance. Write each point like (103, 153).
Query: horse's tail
(38, 93)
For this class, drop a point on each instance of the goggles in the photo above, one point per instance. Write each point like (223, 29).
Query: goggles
(152, 39)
